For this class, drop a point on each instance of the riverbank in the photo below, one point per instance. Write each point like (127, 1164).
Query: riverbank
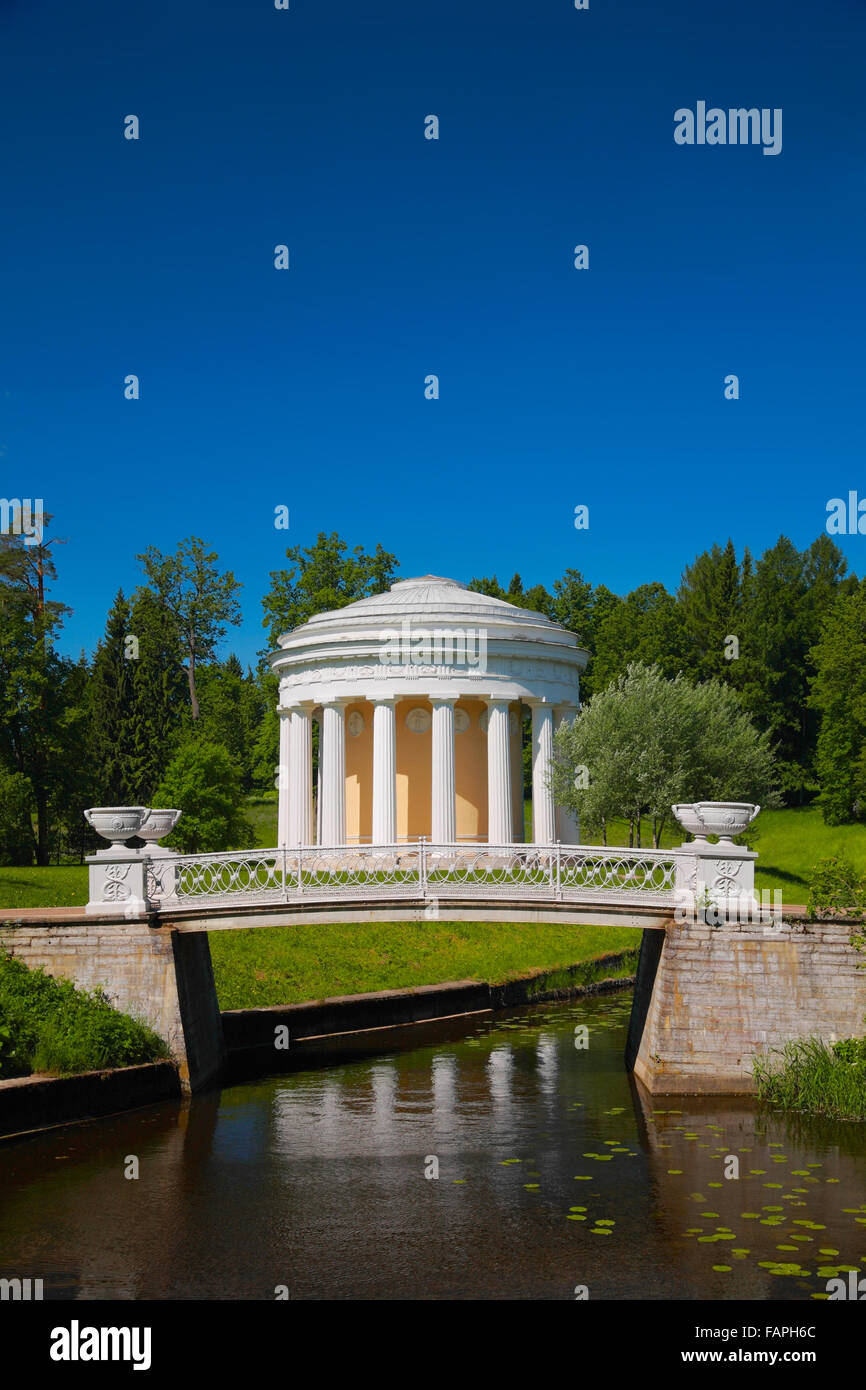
(267, 966)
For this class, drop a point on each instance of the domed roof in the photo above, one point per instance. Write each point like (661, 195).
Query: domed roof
(429, 634)
(431, 600)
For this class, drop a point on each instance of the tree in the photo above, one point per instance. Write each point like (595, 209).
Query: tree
(839, 697)
(537, 598)
(158, 694)
(232, 710)
(198, 597)
(645, 627)
(36, 722)
(711, 604)
(572, 604)
(784, 605)
(16, 818)
(204, 784)
(648, 741)
(110, 697)
(323, 577)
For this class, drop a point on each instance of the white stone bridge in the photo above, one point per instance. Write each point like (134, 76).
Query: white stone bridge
(418, 880)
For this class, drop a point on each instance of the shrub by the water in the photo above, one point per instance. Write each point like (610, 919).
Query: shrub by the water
(851, 1050)
(837, 889)
(808, 1074)
(47, 1024)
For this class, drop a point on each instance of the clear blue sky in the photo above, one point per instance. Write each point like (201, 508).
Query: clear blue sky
(409, 257)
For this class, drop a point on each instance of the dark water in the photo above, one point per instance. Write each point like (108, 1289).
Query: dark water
(316, 1181)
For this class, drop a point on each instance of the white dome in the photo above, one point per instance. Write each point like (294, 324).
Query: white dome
(525, 653)
(431, 600)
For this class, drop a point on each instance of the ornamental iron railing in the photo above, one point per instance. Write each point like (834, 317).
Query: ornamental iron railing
(418, 871)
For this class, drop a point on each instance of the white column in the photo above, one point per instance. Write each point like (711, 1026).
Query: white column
(443, 788)
(285, 717)
(384, 772)
(301, 780)
(567, 824)
(517, 816)
(499, 828)
(543, 819)
(333, 765)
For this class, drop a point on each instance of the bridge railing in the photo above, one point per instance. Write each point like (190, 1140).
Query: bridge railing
(418, 871)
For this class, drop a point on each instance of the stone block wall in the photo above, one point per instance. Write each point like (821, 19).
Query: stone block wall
(722, 994)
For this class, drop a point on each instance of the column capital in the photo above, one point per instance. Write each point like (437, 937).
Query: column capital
(337, 702)
(537, 701)
(443, 699)
(300, 707)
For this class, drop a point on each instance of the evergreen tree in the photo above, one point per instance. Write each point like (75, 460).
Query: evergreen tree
(644, 627)
(786, 600)
(110, 700)
(711, 603)
(159, 701)
(839, 697)
(35, 681)
(232, 709)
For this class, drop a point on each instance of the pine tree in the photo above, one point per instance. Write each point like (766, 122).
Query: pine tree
(159, 698)
(711, 604)
(839, 698)
(110, 698)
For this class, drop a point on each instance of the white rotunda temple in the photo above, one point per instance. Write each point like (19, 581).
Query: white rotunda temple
(420, 694)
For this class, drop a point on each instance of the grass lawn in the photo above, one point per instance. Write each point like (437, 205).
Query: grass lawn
(278, 965)
(63, 886)
(261, 812)
(791, 843)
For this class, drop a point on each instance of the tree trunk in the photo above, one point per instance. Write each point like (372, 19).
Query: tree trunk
(193, 699)
(603, 831)
(42, 856)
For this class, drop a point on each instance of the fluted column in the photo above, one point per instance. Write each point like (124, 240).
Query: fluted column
(333, 761)
(283, 789)
(518, 826)
(384, 772)
(567, 824)
(443, 786)
(499, 826)
(301, 780)
(543, 818)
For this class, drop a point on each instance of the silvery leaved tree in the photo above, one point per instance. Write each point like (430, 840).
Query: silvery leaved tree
(649, 741)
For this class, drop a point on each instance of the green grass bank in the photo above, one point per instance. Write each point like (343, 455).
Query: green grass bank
(279, 965)
(47, 1025)
(819, 1078)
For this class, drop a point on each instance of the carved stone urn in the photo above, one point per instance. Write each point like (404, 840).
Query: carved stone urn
(723, 818)
(117, 823)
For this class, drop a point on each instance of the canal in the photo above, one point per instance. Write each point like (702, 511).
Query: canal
(489, 1158)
